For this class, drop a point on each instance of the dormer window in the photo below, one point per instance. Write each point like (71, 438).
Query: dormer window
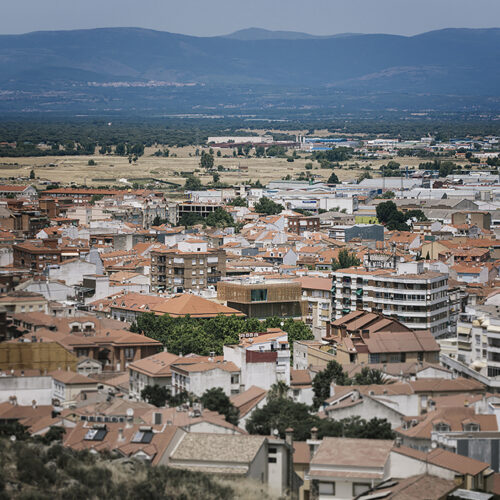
(471, 427)
(442, 427)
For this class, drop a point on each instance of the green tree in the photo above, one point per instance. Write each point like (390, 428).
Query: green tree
(279, 414)
(32, 174)
(206, 160)
(369, 376)
(156, 221)
(276, 151)
(215, 178)
(193, 184)
(388, 195)
(268, 207)
(416, 214)
(333, 179)
(388, 214)
(120, 149)
(91, 163)
(155, 395)
(324, 379)
(238, 202)
(279, 390)
(191, 219)
(188, 335)
(216, 400)
(363, 176)
(95, 197)
(55, 433)
(219, 218)
(345, 260)
(376, 428)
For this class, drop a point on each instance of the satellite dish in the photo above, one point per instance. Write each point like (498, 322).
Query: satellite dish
(130, 412)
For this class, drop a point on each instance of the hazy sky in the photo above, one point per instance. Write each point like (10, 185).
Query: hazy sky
(214, 17)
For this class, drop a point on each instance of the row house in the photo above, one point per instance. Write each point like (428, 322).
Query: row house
(40, 254)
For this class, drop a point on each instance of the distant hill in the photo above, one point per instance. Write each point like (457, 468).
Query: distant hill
(461, 62)
(262, 34)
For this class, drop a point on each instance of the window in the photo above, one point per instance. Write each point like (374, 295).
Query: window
(272, 460)
(258, 295)
(471, 427)
(129, 352)
(235, 379)
(326, 488)
(359, 488)
(441, 427)
(273, 449)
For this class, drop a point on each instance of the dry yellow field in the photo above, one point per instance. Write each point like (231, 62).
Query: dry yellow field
(113, 170)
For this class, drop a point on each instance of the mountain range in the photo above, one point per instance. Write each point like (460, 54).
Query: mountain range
(462, 62)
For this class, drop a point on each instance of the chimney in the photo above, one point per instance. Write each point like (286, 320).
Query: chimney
(121, 437)
(314, 433)
(289, 436)
(33, 404)
(397, 443)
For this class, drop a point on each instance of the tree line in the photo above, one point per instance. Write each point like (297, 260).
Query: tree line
(202, 336)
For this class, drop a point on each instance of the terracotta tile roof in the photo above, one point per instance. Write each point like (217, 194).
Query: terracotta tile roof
(26, 415)
(218, 448)
(412, 488)
(71, 378)
(392, 342)
(156, 365)
(465, 269)
(445, 459)
(454, 417)
(246, 401)
(458, 384)
(13, 188)
(272, 334)
(314, 283)
(363, 453)
(300, 378)
(155, 449)
(188, 419)
(301, 452)
(206, 366)
(195, 306)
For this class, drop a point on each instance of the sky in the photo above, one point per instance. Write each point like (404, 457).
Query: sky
(216, 17)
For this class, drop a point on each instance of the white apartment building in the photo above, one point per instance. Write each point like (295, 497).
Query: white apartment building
(416, 298)
(264, 358)
(478, 340)
(260, 359)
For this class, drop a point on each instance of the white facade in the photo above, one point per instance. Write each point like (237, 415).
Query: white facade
(26, 389)
(198, 382)
(71, 272)
(139, 381)
(418, 300)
